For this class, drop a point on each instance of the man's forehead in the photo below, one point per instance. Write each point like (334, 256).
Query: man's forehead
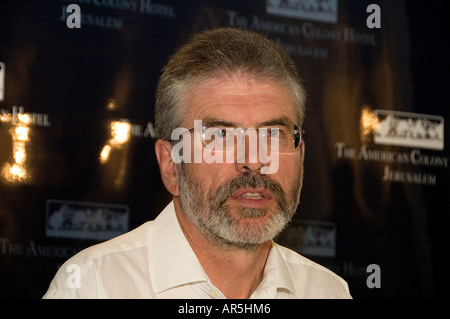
(237, 100)
(274, 121)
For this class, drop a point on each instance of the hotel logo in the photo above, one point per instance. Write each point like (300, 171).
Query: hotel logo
(315, 10)
(98, 221)
(311, 238)
(409, 130)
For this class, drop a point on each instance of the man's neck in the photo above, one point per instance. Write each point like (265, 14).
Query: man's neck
(236, 271)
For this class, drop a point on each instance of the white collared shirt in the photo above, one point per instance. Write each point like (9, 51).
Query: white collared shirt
(155, 260)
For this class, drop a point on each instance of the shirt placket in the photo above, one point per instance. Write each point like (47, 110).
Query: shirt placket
(206, 290)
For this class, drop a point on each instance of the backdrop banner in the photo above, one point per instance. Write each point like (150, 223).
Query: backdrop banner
(77, 160)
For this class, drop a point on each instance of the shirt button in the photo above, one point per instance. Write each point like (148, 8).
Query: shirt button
(213, 294)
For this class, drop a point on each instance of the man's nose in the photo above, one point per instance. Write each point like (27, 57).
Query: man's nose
(253, 168)
(249, 161)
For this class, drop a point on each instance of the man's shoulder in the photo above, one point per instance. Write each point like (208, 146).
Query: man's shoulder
(136, 238)
(96, 265)
(133, 239)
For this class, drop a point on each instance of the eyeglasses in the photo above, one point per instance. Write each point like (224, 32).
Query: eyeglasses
(272, 138)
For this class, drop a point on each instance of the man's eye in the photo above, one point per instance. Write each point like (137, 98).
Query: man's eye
(222, 133)
(275, 132)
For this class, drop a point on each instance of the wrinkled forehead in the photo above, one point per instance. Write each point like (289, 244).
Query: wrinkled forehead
(238, 99)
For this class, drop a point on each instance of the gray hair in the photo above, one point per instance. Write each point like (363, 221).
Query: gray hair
(221, 51)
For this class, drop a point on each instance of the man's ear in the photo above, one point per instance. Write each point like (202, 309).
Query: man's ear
(167, 167)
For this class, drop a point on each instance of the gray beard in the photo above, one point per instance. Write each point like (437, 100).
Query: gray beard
(213, 218)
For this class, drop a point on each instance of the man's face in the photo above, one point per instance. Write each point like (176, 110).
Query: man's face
(233, 202)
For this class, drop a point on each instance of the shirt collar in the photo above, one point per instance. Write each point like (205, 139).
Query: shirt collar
(283, 277)
(276, 276)
(172, 261)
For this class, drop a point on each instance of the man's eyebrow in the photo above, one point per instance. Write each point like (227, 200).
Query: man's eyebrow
(282, 121)
(212, 122)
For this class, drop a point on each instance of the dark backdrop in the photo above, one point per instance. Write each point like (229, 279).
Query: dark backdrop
(77, 164)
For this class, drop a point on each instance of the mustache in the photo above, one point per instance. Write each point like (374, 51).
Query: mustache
(248, 180)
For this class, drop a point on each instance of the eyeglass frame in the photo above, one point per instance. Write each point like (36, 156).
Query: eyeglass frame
(295, 131)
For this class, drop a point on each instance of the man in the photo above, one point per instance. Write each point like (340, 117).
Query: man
(214, 240)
